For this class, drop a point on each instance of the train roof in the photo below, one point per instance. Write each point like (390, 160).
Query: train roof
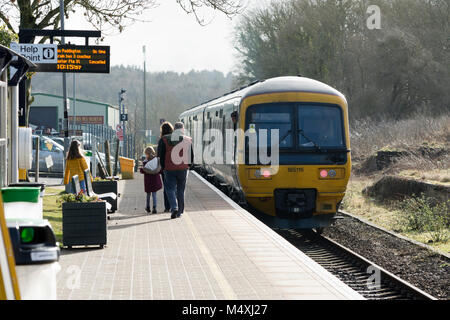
(290, 84)
(275, 85)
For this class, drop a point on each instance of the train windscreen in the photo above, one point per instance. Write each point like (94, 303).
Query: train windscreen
(308, 133)
(320, 126)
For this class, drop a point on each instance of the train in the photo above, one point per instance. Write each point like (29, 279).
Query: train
(279, 146)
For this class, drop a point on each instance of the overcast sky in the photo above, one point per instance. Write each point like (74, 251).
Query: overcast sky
(174, 40)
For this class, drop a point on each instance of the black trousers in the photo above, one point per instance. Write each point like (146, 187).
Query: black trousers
(166, 199)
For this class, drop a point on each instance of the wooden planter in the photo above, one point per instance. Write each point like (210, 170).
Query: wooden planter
(105, 187)
(84, 224)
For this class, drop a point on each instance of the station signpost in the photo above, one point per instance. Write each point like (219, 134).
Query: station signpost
(37, 53)
(80, 59)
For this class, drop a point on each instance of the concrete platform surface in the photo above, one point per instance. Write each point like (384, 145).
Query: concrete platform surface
(215, 251)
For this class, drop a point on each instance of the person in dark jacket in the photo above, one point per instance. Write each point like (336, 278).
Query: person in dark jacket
(152, 181)
(166, 128)
(176, 156)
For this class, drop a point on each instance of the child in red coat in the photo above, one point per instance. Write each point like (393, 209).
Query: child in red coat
(152, 180)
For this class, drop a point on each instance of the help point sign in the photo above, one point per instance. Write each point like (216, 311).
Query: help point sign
(37, 52)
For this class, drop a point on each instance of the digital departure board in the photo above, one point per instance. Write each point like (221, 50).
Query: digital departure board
(81, 59)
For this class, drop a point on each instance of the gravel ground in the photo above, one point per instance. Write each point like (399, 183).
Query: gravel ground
(417, 265)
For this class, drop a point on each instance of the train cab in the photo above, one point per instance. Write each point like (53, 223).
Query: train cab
(313, 169)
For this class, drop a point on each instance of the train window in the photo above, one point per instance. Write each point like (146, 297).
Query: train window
(320, 125)
(272, 116)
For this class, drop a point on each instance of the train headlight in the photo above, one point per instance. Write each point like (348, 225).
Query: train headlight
(332, 173)
(260, 174)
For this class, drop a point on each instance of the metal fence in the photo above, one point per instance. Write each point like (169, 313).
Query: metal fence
(99, 134)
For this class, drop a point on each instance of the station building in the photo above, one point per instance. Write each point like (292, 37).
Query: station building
(47, 111)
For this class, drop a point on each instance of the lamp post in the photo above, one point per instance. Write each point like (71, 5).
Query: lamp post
(145, 91)
(64, 83)
(74, 104)
(122, 111)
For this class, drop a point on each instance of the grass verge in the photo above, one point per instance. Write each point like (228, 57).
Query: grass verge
(53, 211)
(387, 215)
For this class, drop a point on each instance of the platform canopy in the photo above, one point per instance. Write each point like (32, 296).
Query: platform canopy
(10, 58)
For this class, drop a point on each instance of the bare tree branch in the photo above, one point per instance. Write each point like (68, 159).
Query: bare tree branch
(7, 22)
(228, 7)
(116, 14)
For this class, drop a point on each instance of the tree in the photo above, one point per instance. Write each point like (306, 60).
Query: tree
(6, 36)
(41, 14)
(396, 71)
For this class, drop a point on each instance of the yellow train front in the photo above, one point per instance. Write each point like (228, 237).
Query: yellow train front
(299, 180)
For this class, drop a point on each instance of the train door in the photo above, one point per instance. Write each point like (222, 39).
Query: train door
(9, 287)
(209, 126)
(197, 139)
(207, 123)
(223, 127)
(235, 125)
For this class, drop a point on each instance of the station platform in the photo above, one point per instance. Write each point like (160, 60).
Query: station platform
(216, 250)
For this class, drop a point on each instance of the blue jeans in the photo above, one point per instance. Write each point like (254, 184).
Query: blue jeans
(176, 184)
(153, 194)
(82, 187)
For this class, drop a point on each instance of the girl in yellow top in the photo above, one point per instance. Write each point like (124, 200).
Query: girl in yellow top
(75, 165)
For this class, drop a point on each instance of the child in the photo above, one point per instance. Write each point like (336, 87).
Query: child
(152, 181)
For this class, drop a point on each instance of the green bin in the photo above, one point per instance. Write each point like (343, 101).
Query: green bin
(22, 202)
(21, 194)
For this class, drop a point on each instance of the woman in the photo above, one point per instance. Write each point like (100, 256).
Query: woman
(75, 165)
(166, 128)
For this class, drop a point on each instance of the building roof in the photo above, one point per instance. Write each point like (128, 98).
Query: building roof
(22, 64)
(71, 98)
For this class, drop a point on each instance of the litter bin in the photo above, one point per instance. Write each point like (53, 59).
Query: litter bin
(36, 253)
(30, 185)
(22, 202)
(127, 167)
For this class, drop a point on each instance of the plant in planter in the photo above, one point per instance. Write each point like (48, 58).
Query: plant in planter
(84, 220)
(80, 197)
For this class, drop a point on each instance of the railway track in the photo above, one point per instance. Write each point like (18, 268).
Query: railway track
(368, 279)
(351, 268)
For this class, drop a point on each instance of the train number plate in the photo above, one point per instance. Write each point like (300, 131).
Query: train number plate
(295, 170)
